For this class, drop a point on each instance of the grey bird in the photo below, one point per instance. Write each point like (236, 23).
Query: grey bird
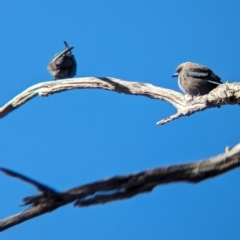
(195, 79)
(63, 65)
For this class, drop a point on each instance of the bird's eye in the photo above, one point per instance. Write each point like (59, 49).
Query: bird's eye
(179, 70)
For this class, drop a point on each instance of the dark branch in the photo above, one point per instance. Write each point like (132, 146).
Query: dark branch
(39, 186)
(119, 187)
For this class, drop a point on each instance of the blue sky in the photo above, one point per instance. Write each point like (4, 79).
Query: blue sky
(81, 136)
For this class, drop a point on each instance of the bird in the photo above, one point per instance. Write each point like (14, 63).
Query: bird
(63, 64)
(195, 79)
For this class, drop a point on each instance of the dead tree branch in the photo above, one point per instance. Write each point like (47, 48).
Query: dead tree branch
(119, 187)
(224, 94)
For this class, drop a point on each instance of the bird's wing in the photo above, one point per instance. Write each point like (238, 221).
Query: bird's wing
(58, 55)
(204, 74)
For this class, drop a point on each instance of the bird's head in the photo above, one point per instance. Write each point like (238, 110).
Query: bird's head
(180, 68)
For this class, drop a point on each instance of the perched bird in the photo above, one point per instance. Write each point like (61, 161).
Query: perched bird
(195, 79)
(63, 64)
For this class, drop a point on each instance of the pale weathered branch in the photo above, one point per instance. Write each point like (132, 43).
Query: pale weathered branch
(224, 94)
(119, 187)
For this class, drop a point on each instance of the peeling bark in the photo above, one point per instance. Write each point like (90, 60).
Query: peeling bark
(228, 93)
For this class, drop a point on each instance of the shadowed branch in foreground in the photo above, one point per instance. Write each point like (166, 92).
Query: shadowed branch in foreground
(119, 187)
(228, 93)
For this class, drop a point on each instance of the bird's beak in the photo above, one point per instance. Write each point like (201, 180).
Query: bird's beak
(175, 75)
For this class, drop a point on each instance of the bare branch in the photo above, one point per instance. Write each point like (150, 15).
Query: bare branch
(120, 187)
(36, 184)
(224, 94)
